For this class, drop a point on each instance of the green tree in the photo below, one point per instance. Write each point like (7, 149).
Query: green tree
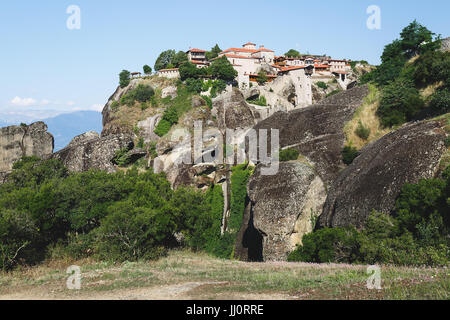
(214, 53)
(147, 69)
(222, 69)
(262, 77)
(417, 39)
(124, 78)
(292, 53)
(179, 58)
(400, 102)
(164, 60)
(188, 70)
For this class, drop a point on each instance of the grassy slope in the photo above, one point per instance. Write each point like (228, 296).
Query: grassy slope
(366, 113)
(186, 275)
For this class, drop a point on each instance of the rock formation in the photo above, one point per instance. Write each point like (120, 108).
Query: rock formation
(89, 151)
(375, 178)
(279, 211)
(317, 131)
(19, 141)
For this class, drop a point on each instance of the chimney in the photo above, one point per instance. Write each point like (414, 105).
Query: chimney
(261, 47)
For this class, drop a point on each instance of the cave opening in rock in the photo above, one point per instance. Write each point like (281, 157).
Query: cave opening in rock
(253, 241)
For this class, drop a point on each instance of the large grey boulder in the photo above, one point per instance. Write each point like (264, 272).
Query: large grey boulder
(92, 152)
(19, 141)
(374, 180)
(232, 111)
(279, 211)
(317, 131)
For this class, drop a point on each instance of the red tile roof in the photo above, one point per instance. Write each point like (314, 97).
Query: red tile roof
(250, 44)
(283, 69)
(240, 57)
(176, 69)
(196, 50)
(199, 62)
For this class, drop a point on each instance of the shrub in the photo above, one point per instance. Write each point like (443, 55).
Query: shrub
(132, 233)
(18, 234)
(400, 102)
(188, 70)
(122, 158)
(328, 245)
(169, 118)
(208, 101)
(260, 101)
(440, 102)
(362, 131)
(194, 85)
(322, 85)
(143, 93)
(289, 154)
(349, 154)
(332, 93)
(115, 105)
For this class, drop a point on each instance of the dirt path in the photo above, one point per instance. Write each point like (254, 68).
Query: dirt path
(184, 291)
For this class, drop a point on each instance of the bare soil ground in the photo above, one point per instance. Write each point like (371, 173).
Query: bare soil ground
(185, 275)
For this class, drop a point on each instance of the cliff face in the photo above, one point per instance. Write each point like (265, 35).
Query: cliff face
(279, 211)
(374, 180)
(89, 151)
(19, 141)
(317, 131)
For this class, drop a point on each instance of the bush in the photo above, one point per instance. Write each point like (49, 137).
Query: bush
(115, 105)
(143, 93)
(133, 233)
(18, 234)
(122, 158)
(400, 102)
(362, 131)
(322, 85)
(260, 101)
(440, 102)
(194, 85)
(328, 245)
(289, 154)
(349, 154)
(208, 101)
(332, 93)
(169, 118)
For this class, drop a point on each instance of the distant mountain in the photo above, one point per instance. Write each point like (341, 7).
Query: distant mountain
(66, 126)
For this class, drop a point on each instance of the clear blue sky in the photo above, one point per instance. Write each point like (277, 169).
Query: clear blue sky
(47, 68)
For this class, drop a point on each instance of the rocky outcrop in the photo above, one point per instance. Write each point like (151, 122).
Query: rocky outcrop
(374, 180)
(111, 127)
(317, 131)
(19, 141)
(91, 135)
(90, 152)
(445, 44)
(278, 212)
(232, 111)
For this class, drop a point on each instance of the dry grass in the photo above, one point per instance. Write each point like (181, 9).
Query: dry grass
(430, 89)
(366, 113)
(187, 275)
